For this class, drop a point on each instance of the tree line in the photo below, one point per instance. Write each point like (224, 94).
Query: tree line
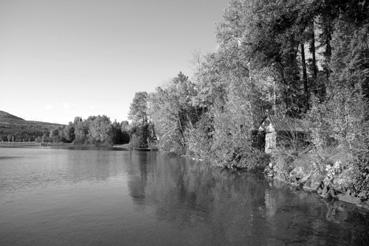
(304, 59)
(96, 130)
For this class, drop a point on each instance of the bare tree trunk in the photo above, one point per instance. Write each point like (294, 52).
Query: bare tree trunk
(327, 29)
(304, 75)
(312, 50)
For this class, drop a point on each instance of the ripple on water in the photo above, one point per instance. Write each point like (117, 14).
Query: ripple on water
(143, 198)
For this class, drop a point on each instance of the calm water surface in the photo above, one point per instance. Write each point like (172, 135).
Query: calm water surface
(74, 197)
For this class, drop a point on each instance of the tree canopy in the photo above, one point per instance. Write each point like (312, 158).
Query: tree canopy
(304, 59)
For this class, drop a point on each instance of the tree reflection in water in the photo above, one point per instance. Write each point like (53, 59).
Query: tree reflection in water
(232, 207)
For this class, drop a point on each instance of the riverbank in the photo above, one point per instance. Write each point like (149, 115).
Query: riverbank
(331, 178)
(19, 144)
(123, 147)
(302, 172)
(56, 145)
(129, 147)
(325, 193)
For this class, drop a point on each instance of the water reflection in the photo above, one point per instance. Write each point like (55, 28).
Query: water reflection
(91, 165)
(146, 198)
(234, 208)
(32, 168)
(137, 170)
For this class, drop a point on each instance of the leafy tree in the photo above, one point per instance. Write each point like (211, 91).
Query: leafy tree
(55, 135)
(125, 126)
(68, 133)
(80, 130)
(138, 108)
(139, 136)
(297, 58)
(171, 111)
(119, 136)
(99, 129)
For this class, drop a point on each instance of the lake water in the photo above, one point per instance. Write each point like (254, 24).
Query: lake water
(90, 197)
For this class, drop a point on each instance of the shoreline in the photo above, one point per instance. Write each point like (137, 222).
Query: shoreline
(331, 195)
(337, 196)
(118, 147)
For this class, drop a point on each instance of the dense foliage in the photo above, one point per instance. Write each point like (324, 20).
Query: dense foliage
(302, 59)
(96, 130)
(141, 130)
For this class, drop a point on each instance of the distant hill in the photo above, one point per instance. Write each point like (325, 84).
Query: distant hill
(16, 128)
(9, 118)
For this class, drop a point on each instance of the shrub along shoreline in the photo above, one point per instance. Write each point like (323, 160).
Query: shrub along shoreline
(306, 171)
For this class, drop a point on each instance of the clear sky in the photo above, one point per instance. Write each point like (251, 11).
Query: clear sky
(66, 58)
